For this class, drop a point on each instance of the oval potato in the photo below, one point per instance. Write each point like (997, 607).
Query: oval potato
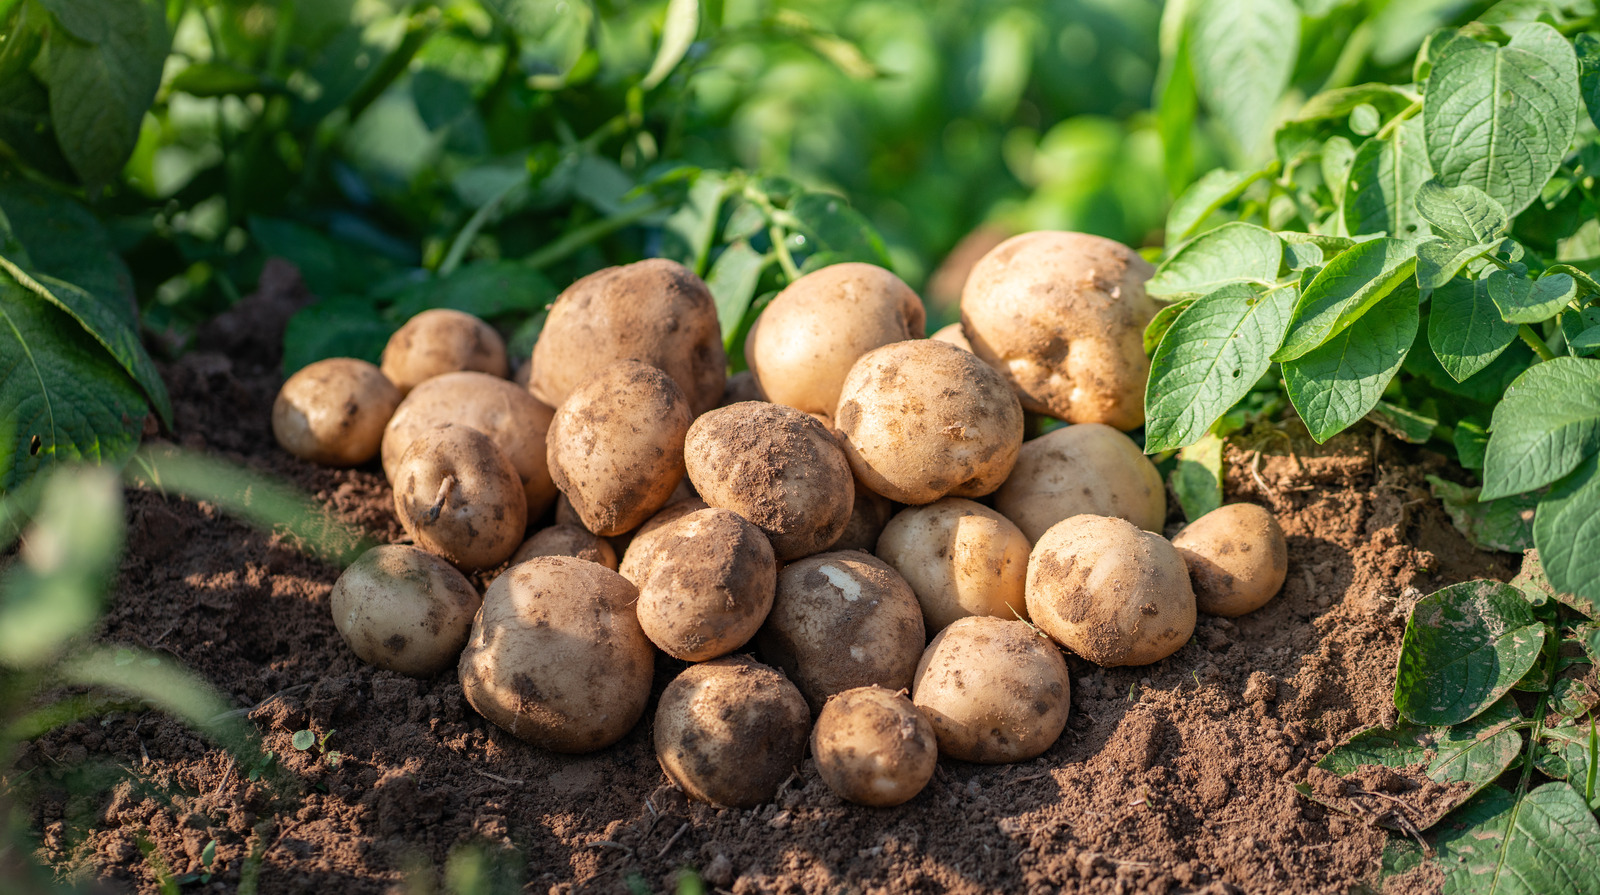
(1086, 469)
(333, 412)
(1237, 558)
(994, 690)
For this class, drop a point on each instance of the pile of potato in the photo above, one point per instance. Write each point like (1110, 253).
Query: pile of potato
(859, 510)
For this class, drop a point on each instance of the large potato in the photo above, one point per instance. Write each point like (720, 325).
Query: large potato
(403, 609)
(961, 558)
(1110, 592)
(1062, 316)
(442, 341)
(1237, 558)
(557, 657)
(705, 585)
(567, 540)
(925, 419)
(459, 497)
(333, 411)
(814, 330)
(994, 690)
(1084, 469)
(873, 747)
(730, 731)
(656, 312)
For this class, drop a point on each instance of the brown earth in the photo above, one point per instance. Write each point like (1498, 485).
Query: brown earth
(1175, 777)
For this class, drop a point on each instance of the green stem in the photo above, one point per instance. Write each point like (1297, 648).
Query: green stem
(463, 240)
(1535, 342)
(576, 239)
(420, 27)
(1351, 59)
(785, 260)
(1393, 123)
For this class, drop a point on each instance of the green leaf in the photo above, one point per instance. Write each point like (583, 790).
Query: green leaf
(1338, 383)
(1535, 585)
(1586, 283)
(64, 240)
(1587, 340)
(690, 230)
(1471, 441)
(83, 19)
(1501, 118)
(303, 740)
(1340, 102)
(677, 33)
(1567, 532)
(1346, 289)
(1302, 256)
(1439, 260)
(1465, 329)
(1463, 213)
(1232, 253)
(1522, 300)
(1547, 422)
(1383, 178)
(1402, 422)
(1202, 199)
(487, 289)
(1464, 647)
(1504, 524)
(733, 281)
(207, 79)
(1587, 47)
(833, 226)
(1546, 843)
(1242, 53)
(342, 326)
(1161, 322)
(1563, 754)
(1198, 477)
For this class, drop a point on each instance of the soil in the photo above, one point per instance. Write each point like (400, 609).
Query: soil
(1174, 777)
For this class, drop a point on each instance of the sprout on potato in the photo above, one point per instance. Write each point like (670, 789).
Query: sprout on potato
(333, 412)
(706, 582)
(459, 497)
(440, 341)
(961, 558)
(873, 747)
(1237, 558)
(994, 690)
(404, 609)
(1084, 469)
(730, 731)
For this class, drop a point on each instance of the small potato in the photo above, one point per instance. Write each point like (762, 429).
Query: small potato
(333, 412)
(869, 515)
(777, 467)
(641, 547)
(459, 497)
(925, 419)
(442, 341)
(1084, 469)
(873, 747)
(616, 446)
(557, 657)
(404, 609)
(705, 584)
(567, 540)
(1109, 592)
(994, 690)
(961, 558)
(840, 621)
(730, 731)
(955, 335)
(1237, 559)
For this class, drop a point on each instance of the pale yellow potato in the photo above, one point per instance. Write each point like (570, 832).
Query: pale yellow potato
(730, 731)
(994, 690)
(567, 540)
(1110, 592)
(442, 341)
(961, 558)
(641, 546)
(706, 585)
(404, 609)
(873, 747)
(953, 334)
(1084, 469)
(1237, 558)
(459, 497)
(333, 412)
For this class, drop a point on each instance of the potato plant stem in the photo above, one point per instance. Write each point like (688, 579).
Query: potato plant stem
(1535, 342)
(576, 239)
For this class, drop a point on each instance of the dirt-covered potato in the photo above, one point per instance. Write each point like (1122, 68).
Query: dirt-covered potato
(841, 621)
(333, 412)
(814, 330)
(640, 546)
(404, 609)
(955, 335)
(961, 558)
(1110, 592)
(557, 657)
(1062, 316)
(616, 446)
(442, 341)
(730, 731)
(868, 516)
(994, 690)
(655, 311)
(1084, 469)
(873, 747)
(1237, 558)
(777, 467)
(706, 581)
(459, 497)
(925, 419)
(514, 420)
(567, 540)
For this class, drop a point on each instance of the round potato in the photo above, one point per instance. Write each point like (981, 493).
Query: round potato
(616, 446)
(925, 419)
(778, 468)
(641, 547)
(994, 690)
(840, 621)
(955, 335)
(868, 516)
(654, 311)
(873, 747)
(706, 584)
(333, 412)
(1087, 469)
(556, 656)
(567, 540)
(730, 731)
(1237, 559)
(404, 609)
(459, 497)
(442, 341)
(961, 558)
(1110, 592)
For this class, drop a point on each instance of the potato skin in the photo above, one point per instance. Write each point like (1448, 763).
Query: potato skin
(994, 690)
(404, 609)
(1237, 558)
(1088, 469)
(841, 621)
(556, 656)
(567, 540)
(730, 731)
(705, 585)
(440, 341)
(1062, 317)
(955, 335)
(870, 513)
(925, 419)
(1110, 592)
(333, 412)
(873, 747)
(654, 311)
(484, 511)
(961, 558)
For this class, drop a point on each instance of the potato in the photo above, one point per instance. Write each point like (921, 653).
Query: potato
(955, 335)
(814, 330)
(1237, 559)
(994, 690)
(961, 558)
(840, 621)
(654, 311)
(404, 609)
(1084, 469)
(873, 747)
(567, 540)
(741, 387)
(333, 412)
(459, 497)
(730, 731)
(557, 657)
(616, 446)
(1109, 592)
(442, 341)
(1062, 317)
(925, 419)
(778, 468)
(514, 420)
(706, 581)
(640, 547)
(869, 514)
